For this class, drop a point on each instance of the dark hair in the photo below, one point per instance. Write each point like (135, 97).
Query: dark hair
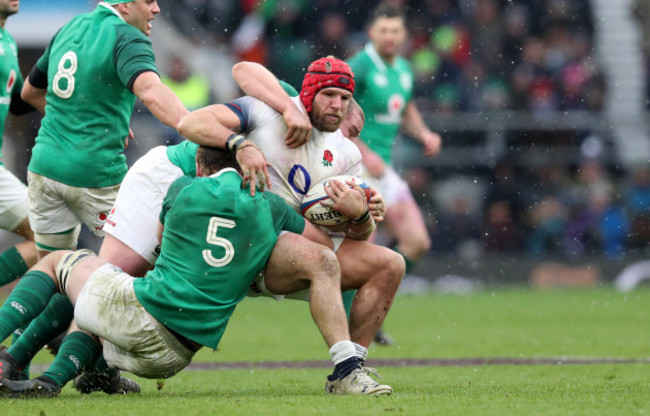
(212, 159)
(384, 10)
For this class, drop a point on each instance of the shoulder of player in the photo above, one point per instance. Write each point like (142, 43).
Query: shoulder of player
(403, 64)
(126, 33)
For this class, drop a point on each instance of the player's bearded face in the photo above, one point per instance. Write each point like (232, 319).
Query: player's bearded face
(387, 35)
(330, 104)
(9, 7)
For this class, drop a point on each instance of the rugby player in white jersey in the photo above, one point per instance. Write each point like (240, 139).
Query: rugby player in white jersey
(249, 123)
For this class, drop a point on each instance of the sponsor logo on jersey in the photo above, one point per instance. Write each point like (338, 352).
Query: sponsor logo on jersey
(395, 109)
(380, 80)
(406, 81)
(328, 158)
(11, 81)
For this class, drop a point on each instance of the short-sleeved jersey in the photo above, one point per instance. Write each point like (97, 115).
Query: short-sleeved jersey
(217, 238)
(183, 154)
(383, 91)
(90, 64)
(294, 171)
(11, 81)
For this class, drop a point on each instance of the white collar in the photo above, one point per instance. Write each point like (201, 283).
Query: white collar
(111, 8)
(222, 171)
(374, 57)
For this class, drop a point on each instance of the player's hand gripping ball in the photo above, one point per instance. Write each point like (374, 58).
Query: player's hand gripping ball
(316, 203)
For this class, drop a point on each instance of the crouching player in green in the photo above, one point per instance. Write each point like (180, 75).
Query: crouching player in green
(152, 326)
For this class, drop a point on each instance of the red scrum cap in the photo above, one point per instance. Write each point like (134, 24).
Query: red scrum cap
(325, 73)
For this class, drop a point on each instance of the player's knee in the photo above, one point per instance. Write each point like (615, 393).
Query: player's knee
(392, 268)
(415, 245)
(326, 266)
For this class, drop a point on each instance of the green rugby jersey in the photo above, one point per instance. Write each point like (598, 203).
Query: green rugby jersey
(10, 77)
(183, 154)
(90, 64)
(382, 91)
(217, 238)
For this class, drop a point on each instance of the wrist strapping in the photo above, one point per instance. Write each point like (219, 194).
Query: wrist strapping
(363, 218)
(234, 141)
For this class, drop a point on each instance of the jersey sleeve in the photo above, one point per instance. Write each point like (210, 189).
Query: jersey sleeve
(43, 62)
(252, 113)
(284, 217)
(132, 54)
(173, 191)
(288, 89)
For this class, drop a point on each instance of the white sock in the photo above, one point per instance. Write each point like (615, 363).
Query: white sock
(342, 350)
(362, 352)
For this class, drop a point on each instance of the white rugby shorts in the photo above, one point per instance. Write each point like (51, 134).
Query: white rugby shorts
(134, 340)
(55, 207)
(134, 218)
(13, 200)
(391, 186)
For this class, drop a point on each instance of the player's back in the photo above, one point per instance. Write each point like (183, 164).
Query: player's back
(217, 238)
(89, 104)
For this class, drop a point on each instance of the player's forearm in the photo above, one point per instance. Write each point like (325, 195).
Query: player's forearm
(413, 123)
(257, 81)
(159, 99)
(361, 228)
(203, 127)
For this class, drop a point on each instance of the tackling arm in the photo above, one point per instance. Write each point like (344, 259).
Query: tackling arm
(159, 99)
(213, 126)
(257, 81)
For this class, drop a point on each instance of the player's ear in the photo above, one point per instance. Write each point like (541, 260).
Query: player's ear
(199, 171)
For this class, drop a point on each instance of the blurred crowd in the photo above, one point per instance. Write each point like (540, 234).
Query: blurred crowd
(471, 56)
(467, 55)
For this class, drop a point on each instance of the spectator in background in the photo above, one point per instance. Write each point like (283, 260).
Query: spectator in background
(384, 89)
(191, 87)
(640, 10)
(637, 203)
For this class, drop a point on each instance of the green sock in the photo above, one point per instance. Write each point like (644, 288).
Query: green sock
(26, 301)
(102, 367)
(54, 320)
(14, 340)
(78, 352)
(12, 266)
(348, 298)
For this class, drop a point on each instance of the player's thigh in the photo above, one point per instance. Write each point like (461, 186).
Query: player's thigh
(361, 261)
(73, 269)
(405, 221)
(13, 201)
(134, 340)
(294, 261)
(121, 255)
(49, 212)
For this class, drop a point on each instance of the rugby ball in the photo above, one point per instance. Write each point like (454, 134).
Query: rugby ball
(319, 214)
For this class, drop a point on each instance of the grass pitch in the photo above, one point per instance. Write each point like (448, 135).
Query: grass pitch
(518, 323)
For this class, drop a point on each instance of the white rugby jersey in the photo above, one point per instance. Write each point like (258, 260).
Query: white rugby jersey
(294, 171)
